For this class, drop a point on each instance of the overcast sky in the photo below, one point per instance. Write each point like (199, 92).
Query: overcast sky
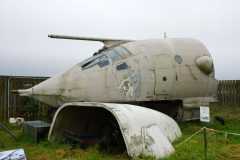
(25, 49)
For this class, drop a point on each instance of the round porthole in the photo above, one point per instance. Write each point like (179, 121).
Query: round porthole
(178, 59)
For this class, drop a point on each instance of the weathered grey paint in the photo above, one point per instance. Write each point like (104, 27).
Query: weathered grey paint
(184, 81)
(174, 69)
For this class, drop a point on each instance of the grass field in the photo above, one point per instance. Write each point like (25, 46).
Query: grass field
(220, 145)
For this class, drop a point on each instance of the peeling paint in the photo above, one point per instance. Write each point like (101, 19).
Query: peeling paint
(191, 73)
(125, 126)
(135, 140)
(149, 140)
(60, 91)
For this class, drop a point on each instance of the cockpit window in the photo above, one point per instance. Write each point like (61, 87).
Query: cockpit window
(117, 53)
(101, 60)
(114, 55)
(122, 66)
(122, 51)
(104, 63)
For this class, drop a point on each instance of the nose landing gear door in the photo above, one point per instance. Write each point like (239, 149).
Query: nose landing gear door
(164, 74)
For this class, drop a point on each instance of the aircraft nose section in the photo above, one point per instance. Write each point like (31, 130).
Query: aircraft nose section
(46, 92)
(56, 91)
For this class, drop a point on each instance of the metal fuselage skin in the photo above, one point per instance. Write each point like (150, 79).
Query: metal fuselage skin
(148, 72)
(155, 70)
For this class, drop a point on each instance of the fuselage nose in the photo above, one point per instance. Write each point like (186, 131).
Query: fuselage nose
(57, 90)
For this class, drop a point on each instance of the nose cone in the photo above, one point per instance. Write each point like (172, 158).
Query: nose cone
(56, 91)
(25, 92)
(68, 86)
(46, 92)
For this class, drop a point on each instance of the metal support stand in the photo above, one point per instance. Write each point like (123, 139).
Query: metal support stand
(205, 142)
(8, 131)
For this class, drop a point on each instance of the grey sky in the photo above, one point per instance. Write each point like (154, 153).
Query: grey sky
(26, 50)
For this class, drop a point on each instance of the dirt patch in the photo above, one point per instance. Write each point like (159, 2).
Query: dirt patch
(232, 150)
(61, 153)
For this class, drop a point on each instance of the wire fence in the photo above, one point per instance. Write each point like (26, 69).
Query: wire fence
(209, 135)
(12, 105)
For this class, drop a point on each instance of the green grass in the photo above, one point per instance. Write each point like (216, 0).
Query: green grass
(219, 146)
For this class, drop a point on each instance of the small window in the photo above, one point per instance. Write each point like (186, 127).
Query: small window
(83, 63)
(95, 61)
(122, 51)
(178, 59)
(104, 63)
(114, 55)
(122, 66)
